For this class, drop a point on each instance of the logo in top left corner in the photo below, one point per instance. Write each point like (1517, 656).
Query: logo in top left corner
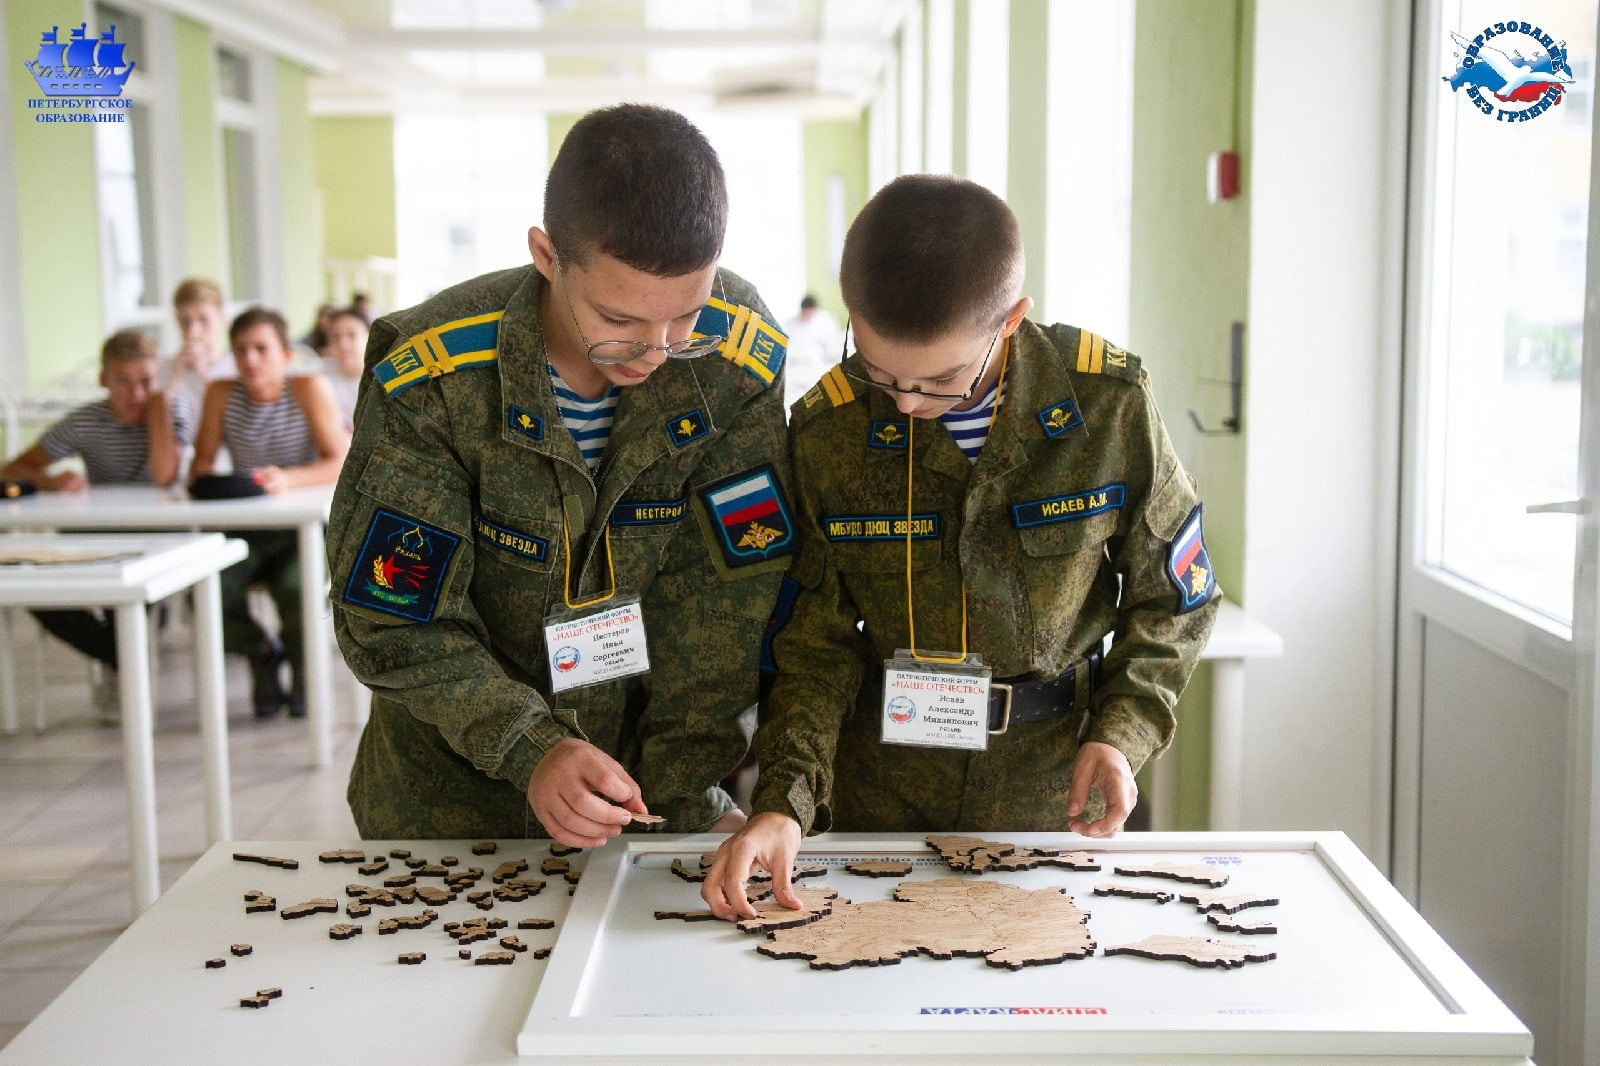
(81, 65)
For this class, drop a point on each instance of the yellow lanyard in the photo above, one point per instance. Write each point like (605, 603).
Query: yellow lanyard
(911, 611)
(566, 581)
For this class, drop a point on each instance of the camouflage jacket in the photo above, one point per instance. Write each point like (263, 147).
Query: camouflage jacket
(449, 544)
(1076, 493)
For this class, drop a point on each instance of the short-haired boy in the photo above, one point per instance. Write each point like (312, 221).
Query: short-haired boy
(981, 501)
(134, 435)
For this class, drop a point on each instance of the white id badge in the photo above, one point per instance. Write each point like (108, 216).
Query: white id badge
(936, 705)
(587, 647)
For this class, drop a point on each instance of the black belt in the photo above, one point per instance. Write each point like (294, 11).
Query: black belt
(1015, 702)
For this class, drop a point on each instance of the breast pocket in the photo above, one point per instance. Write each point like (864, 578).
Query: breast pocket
(1072, 585)
(517, 522)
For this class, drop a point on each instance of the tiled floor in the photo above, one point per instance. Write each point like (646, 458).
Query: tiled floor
(64, 891)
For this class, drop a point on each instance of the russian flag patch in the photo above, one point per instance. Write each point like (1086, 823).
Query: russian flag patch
(1189, 564)
(750, 518)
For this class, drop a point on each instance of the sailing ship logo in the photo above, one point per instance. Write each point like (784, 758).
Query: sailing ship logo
(81, 66)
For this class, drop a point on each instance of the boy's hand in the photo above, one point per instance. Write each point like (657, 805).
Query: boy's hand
(66, 481)
(272, 478)
(769, 840)
(582, 795)
(1101, 766)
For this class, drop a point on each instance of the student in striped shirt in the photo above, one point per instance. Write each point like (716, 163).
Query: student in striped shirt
(133, 436)
(982, 502)
(287, 432)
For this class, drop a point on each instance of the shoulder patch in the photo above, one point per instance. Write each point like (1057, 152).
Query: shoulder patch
(1189, 564)
(687, 427)
(750, 341)
(525, 422)
(835, 386)
(1095, 356)
(444, 349)
(890, 435)
(749, 517)
(400, 567)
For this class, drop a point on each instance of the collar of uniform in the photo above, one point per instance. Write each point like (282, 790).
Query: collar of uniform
(524, 382)
(935, 449)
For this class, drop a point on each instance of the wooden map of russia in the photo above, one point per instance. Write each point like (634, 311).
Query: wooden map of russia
(1006, 926)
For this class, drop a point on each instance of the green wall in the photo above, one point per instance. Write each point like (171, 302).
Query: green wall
(1190, 269)
(355, 175)
(302, 258)
(202, 163)
(829, 148)
(1027, 171)
(57, 223)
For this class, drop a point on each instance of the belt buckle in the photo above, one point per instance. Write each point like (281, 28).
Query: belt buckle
(1005, 718)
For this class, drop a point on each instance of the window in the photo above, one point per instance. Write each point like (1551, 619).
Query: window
(238, 119)
(1506, 325)
(124, 157)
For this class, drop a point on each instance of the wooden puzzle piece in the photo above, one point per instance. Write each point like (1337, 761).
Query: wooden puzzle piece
(495, 958)
(343, 855)
(970, 854)
(1228, 904)
(240, 949)
(1195, 950)
(343, 931)
(259, 903)
(412, 958)
(1197, 873)
(399, 853)
(373, 868)
(1160, 895)
(1007, 926)
(414, 861)
(270, 993)
(254, 1002)
(357, 909)
(815, 901)
(651, 820)
(420, 920)
(513, 943)
(485, 847)
(431, 869)
(563, 849)
(683, 871)
(508, 869)
(310, 907)
(1033, 858)
(399, 881)
(449, 860)
(536, 923)
(554, 865)
(541, 953)
(216, 964)
(268, 860)
(879, 868)
(1230, 925)
(435, 896)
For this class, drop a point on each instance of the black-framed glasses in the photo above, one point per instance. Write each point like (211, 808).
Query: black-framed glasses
(889, 386)
(612, 353)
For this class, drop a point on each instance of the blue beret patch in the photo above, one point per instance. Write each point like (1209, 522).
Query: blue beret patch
(689, 426)
(529, 425)
(891, 435)
(1059, 417)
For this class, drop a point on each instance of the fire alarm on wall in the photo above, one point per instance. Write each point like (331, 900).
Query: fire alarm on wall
(1222, 176)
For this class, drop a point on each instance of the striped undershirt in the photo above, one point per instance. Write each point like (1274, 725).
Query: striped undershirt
(267, 434)
(589, 421)
(970, 428)
(113, 453)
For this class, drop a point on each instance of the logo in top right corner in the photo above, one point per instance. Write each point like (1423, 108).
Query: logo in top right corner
(1512, 71)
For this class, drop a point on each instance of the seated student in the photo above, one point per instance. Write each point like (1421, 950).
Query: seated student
(977, 496)
(197, 305)
(343, 357)
(134, 435)
(287, 432)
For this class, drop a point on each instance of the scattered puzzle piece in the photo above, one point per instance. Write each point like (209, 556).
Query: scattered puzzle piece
(406, 921)
(880, 868)
(1197, 873)
(356, 909)
(485, 847)
(495, 958)
(373, 868)
(1230, 925)
(679, 869)
(1228, 904)
(554, 866)
(976, 855)
(464, 953)
(449, 860)
(216, 964)
(270, 993)
(435, 896)
(513, 943)
(254, 1002)
(509, 869)
(267, 860)
(343, 931)
(399, 853)
(399, 881)
(343, 855)
(240, 949)
(1195, 950)
(541, 953)
(646, 819)
(412, 862)
(1160, 895)
(536, 923)
(1007, 926)
(431, 869)
(563, 849)
(412, 958)
(310, 907)
(260, 902)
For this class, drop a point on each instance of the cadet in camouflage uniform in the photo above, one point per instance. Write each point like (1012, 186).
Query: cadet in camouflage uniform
(1076, 520)
(467, 512)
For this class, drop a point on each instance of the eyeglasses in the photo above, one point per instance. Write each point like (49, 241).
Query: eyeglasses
(888, 386)
(611, 353)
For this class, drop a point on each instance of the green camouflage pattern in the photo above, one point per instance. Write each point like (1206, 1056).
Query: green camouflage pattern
(462, 709)
(1038, 598)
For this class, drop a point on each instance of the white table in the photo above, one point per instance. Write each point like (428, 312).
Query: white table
(152, 567)
(124, 507)
(654, 988)
(1235, 638)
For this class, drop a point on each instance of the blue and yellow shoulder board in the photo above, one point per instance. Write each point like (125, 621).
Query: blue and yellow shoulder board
(466, 342)
(752, 342)
(1095, 356)
(832, 386)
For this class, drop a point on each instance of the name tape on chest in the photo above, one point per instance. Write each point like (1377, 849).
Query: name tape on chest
(1070, 507)
(511, 540)
(648, 512)
(879, 527)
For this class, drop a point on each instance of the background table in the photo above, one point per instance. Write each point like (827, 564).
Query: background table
(152, 567)
(146, 507)
(149, 998)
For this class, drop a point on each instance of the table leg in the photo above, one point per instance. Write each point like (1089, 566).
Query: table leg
(211, 694)
(138, 754)
(317, 626)
(1227, 743)
(8, 673)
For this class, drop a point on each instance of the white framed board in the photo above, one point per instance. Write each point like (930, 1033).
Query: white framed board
(1357, 973)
